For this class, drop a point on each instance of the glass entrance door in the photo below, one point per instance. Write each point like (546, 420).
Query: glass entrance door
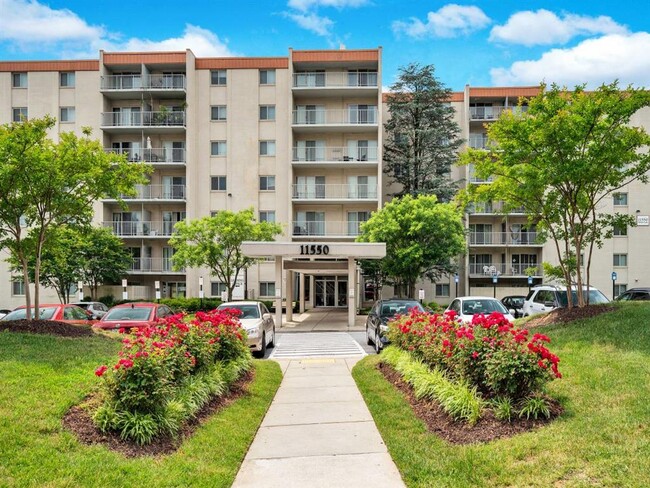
(331, 291)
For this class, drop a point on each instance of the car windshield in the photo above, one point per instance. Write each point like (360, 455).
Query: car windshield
(517, 301)
(247, 311)
(135, 313)
(595, 297)
(390, 309)
(44, 313)
(483, 305)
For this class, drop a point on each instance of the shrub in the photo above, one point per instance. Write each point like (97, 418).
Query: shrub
(191, 305)
(534, 406)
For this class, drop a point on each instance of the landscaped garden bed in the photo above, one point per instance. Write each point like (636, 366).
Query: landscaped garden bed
(50, 327)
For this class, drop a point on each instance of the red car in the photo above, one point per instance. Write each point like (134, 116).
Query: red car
(70, 314)
(137, 314)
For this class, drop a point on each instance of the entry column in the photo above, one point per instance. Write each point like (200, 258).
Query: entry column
(278, 291)
(352, 286)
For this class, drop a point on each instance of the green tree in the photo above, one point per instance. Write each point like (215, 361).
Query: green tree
(423, 238)
(215, 242)
(559, 160)
(422, 138)
(46, 185)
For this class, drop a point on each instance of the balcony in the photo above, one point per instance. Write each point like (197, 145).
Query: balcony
(334, 192)
(164, 157)
(168, 121)
(478, 141)
(148, 229)
(491, 208)
(504, 270)
(328, 120)
(499, 239)
(333, 156)
(159, 85)
(157, 193)
(329, 229)
(152, 265)
(493, 112)
(335, 83)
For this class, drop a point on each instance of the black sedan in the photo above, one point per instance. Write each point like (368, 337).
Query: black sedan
(381, 313)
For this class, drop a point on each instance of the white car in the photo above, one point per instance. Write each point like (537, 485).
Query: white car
(258, 323)
(544, 298)
(467, 307)
(97, 309)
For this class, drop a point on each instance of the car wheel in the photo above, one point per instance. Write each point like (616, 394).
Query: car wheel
(377, 343)
(272, 341)
(262, 352)
(368, 339)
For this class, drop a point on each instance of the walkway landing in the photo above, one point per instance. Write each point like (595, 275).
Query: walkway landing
(323, 320)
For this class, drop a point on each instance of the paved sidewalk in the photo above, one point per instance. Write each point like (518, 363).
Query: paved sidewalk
(318, 432)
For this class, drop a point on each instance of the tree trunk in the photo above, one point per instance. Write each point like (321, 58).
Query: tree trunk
(28, 293)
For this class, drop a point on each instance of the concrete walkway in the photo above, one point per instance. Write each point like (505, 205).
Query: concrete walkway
(323, 320)
(318, 432)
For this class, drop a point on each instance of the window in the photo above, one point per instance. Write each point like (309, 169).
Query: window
(267, 77)
(620, 198)
(619, 288)
(67, 114)
(218, 148)
(18, 114)
(267, 183)
(218, 76)
(267, 216)
(218, 112)
(19, 80)
(267, 112)
(217, 288)
(620, 231)
(267, 288)
(620, 260)
(442, 289)
(67, 80)
(17, 287)
(267, 148)
(218, 183)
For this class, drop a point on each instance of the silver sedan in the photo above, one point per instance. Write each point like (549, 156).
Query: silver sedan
(258, 323)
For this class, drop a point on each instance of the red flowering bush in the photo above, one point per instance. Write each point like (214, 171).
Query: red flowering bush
(491, 353)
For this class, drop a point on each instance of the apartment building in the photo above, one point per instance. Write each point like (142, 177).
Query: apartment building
(299, 139)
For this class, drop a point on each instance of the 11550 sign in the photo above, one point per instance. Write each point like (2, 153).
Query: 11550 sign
(314, 250)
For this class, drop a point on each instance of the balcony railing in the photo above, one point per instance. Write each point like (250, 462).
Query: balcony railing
(522, 238)
(361, 116)
(157, 192)
(491, 208)
(144, 82)
(478, 141)
(155, 155)
(334, 191)
(141, 229)
(329, 228)
(493, 112)
(143, 119)
(500, 269)
(153, 265)
(330, 153)
(329, 79)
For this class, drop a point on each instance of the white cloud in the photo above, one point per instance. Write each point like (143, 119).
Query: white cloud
(451, 20)
(593, 61)
(202, 42)
(544, 27)
(27, 22)
(312, 22)
(305, 5)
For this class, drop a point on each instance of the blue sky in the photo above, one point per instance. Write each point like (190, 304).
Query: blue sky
(483, 43)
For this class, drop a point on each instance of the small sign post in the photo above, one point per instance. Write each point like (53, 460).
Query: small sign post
(157, 284)
(614, 277)
(125, 294)
(530, 283)
(495, 279)
(201, 290)
(456, 277)
(421, 294)
(80, 290)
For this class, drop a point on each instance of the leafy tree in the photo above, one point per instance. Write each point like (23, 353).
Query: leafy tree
(52, 184)
(215, 242)
(422, 137)
(560, 159)
(423, 238)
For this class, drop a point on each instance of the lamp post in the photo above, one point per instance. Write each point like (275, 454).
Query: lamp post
(530, 283)
(201, 290)
(495, 279)
(614, 277)
(456, 281)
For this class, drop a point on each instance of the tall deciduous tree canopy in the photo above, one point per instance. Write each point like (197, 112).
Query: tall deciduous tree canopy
(423, 239)
(215, 243)
(44, 185)
(422, 137)
(560, 160)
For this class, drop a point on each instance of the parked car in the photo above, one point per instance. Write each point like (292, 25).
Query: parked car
(381, 313)
(4, 311)
(634, 294)
(68, 313)
(258, 323)
(96, 309)
(544, 298)
(136, 314)
(514, 304)
(467, 307)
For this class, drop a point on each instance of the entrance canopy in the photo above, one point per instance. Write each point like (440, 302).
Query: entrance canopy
(356, 250)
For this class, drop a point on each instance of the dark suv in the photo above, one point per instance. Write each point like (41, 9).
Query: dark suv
(634, 294)
(383, 311)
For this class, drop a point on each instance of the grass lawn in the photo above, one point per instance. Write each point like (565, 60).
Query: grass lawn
(602, 439)
(42, 376)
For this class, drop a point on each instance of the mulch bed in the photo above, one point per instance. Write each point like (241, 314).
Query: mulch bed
(78, 421)
(487, 428)
(51, 327)
(566, 315)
